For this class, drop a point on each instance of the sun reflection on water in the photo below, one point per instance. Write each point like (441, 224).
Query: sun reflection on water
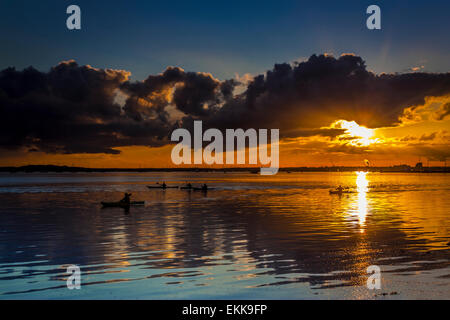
(362, 206)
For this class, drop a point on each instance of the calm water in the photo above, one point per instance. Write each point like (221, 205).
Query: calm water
(253, 237)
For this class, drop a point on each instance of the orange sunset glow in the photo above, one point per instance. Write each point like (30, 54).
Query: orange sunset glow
(419, 133)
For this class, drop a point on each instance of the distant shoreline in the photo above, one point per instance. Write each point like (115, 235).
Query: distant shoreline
(55, 168)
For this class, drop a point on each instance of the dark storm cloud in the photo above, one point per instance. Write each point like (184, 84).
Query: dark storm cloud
(73, 109)
(70, 109)
(194, 93)
(316, 92)
(148, 99)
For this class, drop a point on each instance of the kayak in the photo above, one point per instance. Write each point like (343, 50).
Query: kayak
(122, 204)
(201, 189)
(161, 187)
(339, 192)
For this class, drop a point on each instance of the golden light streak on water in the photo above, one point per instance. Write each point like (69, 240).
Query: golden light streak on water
(362, 206)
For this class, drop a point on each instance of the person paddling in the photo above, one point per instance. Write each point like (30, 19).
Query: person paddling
(340, 189)
(126, 198)
(204, 187)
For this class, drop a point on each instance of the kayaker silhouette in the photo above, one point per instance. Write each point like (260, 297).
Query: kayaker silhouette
(164, 185)
(204, 187)
(340, 189)
(126, 198)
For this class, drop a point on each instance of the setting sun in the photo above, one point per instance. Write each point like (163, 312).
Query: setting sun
(355, 133)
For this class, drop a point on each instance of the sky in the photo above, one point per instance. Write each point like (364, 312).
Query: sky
(213, 45)
(222, 37)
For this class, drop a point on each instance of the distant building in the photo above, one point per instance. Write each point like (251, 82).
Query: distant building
(397, 168)
(402, 167)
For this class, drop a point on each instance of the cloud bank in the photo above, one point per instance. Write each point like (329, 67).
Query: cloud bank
(76, 109)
